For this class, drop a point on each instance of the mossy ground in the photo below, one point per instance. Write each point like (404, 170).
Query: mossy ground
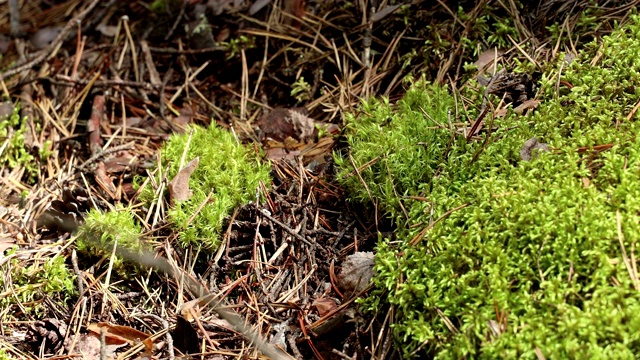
(29, 285)
(13, 150)
(539, 257)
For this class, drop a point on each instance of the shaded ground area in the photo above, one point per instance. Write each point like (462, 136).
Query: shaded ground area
(99, 86)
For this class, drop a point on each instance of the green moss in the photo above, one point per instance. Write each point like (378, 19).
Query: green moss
(13, 152)
(534, 260)
(100, 231)
(227, 171)
(28, 285)
(404, 147)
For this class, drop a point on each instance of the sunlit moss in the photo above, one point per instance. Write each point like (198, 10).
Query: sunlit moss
(228, 174)
(28, 285)
(532, 260)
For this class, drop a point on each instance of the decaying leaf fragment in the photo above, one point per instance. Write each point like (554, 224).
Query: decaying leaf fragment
(281, 124)
(531, 148)
(179, 185)
(357, 271)
(325, 305)
(120, 334)
(89, 346)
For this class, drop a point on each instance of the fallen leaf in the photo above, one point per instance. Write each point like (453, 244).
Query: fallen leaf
(186, 114)
(280, 153)
(45, 36)
(526, 105)
(179, 186)
(6, 243)
(119, 334)
(586, 182)
(531, 148)
(257, 6)
(325, 305)
(487, 58)
(89, 346)
(282, 123)
(384, 12)
(104, 180)
(6, 109)
(357, 271)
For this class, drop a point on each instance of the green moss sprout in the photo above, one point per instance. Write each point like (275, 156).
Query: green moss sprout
(102, 229)
(13, 152)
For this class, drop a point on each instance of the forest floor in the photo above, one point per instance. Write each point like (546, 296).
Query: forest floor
(99, 86)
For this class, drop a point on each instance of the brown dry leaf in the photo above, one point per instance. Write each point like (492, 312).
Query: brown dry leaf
(6, 109)
(120, 163)
(357, 271)
(6, 243)
(531, 148)
(321, 148)
(257, 6)
(487, 57)
(586, 182)
(526, 105)
(280, 153)
(120, 334)
(281, 123)
(186, 114)
(45, 36)
(325, 305)
(179, 186)
(89, 346)
(104, 181)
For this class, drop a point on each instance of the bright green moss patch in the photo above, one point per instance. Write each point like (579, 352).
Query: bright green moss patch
(13, 152)
(403, 146)
(228, 173)
(28, 285)
(102, 230)
(539, 254)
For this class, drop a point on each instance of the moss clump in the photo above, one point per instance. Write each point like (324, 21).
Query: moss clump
(13, 152)
(100, 231)
(403, 146)
(227, 172)
(538, 255)
(29, 284)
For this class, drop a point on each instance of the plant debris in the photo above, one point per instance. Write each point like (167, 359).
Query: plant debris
(531, 148)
